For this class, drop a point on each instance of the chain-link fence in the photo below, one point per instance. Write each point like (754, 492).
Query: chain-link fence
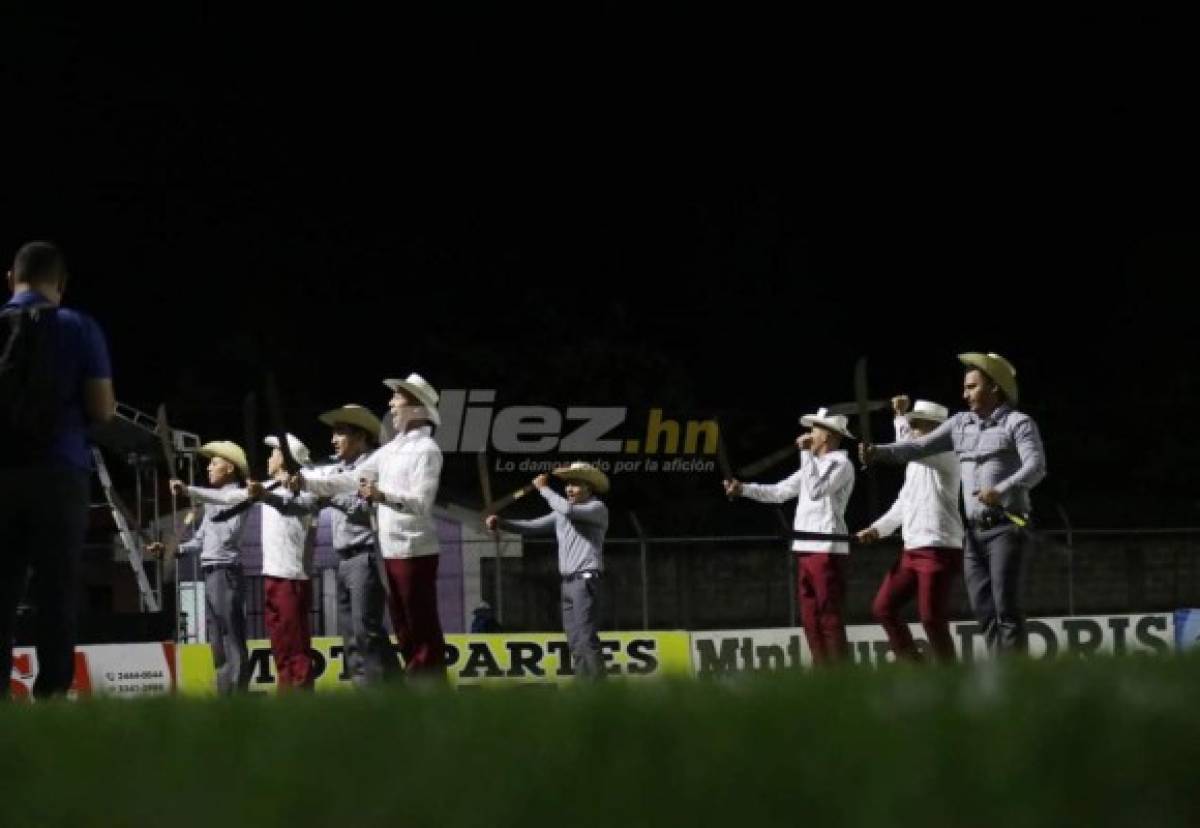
(725, 582)
(715, 582)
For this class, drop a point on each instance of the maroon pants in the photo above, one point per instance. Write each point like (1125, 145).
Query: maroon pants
(930, 573)
(821, 590)
(414, 611)
(286, 608)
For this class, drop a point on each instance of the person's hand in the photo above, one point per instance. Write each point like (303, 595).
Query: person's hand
(866, 453)
(155, 550)
(733, 488)
(255, 490)
(491, 522)
(369, 492)
(178, 487)
(295, 483)
(988, 497)
(804, 441)
(901, 404)
(541, 481)
(868, 535)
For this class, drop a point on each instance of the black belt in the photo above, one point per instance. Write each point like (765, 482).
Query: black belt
(990, 520)
(358, 548)
(207, 568)
(585, 575)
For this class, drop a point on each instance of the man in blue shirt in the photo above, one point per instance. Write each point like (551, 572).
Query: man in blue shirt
(45, 489)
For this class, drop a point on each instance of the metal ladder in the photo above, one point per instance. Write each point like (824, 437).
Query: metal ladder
(131, 537)
(133, 435)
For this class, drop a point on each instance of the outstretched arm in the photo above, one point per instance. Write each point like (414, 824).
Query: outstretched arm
(537, 526)
(217, 497)
(939, 440)
(779, 492)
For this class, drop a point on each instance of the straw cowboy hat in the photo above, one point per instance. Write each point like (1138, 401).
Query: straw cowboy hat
(418, 387)
(996, 367)
(837, 423)
(928, 412)
(353, 415)
(297, 448)
(585, 473)
(228, 451)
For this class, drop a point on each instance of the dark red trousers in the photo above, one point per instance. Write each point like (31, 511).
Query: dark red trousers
(286, 608)
(414, 612)
(929, 574)
(821, 592)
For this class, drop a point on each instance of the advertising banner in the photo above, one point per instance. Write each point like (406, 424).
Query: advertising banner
(528, 658)
(772, 649)
(1187, 629)
(105, 670)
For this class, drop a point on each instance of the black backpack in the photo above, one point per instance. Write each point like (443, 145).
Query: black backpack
(29, 396)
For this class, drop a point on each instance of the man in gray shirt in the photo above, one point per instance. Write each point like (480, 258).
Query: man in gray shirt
(580, 521)
(219, 544)
(366, 648)
(1001, 458)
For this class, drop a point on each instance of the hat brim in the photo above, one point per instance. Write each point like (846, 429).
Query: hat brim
(356, 417)
(980, 362)
(421, 394)
(595, 479)
(810, 422)
(239, 463)
(303, 457)
(924, 418)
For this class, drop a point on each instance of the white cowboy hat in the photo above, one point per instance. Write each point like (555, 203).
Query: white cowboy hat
(353, 415)
(837, 423)
(228, 451)
(417, 386)
(996, 367)
(929, 412)
(586, 473)
(297, 448)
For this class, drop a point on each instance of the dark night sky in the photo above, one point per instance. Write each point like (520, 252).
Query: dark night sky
(629, 215)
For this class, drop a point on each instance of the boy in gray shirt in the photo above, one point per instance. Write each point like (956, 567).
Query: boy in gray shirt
(580, 520)
(218, 543)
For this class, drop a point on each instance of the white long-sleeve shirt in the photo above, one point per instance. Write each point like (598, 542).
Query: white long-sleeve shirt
(287, 537)
(406, 471)
(822, 489)
(926, 510)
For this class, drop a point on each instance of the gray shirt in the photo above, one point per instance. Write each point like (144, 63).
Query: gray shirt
(1002, 452)
(580, 528)
(217, 542)
(349, 514)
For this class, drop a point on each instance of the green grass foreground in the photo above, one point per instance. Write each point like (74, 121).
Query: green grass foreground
(1105, 742)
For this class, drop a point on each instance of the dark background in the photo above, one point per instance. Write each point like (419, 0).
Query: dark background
(709, 216)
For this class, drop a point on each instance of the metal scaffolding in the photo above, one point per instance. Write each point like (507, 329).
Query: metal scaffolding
(133, 437)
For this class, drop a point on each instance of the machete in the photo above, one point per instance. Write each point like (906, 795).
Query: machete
(863, 404)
